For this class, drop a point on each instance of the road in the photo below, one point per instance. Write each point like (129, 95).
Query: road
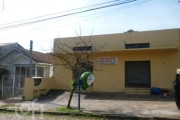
(106, 103)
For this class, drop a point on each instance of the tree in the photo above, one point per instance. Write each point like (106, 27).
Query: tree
(130, 30)
(3, 71)
(76, 55)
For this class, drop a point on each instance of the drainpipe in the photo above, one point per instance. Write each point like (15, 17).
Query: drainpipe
(31, 45)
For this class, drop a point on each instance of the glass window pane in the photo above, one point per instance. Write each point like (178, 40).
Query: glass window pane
(40, 71)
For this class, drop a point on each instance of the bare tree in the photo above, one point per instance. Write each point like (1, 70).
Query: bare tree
(76, 54)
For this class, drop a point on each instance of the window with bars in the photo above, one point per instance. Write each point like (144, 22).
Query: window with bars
(82, 48)
(137, 45)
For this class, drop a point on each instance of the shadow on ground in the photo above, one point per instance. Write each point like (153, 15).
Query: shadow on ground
(53, 94)
(50, 96)
(129, 97)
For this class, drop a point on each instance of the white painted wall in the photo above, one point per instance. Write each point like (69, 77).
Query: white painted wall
(51, 72)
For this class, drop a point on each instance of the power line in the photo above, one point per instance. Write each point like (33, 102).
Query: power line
(23, 4)
(37, 21)
(18, 4)
(61, 12)
(105, 13)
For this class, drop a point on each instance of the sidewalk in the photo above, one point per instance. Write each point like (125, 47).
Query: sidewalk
(111, 103)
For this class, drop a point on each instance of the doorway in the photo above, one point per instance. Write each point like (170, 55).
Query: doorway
(137, 74)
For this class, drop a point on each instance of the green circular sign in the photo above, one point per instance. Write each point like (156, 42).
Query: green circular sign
(87, 79)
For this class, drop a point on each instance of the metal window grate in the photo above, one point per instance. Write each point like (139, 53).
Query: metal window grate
(84, 48)
(138, 45)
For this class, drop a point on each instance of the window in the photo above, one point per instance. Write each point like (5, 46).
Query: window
(84, 48)
(28, 71)
(40, 71)
(137, 45)
(37, 81)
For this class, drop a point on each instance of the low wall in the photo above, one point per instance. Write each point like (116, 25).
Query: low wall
(34, 87)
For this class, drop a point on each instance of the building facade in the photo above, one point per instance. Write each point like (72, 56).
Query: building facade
(130, 60)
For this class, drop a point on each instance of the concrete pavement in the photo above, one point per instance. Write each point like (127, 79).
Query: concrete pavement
(111, 103)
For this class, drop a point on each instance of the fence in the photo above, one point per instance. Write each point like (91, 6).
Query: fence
(12, 86)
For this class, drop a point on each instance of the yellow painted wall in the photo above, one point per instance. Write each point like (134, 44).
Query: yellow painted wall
(31, 91)
(157, 39)
(163, 65)
(63, 77)
(111, 78)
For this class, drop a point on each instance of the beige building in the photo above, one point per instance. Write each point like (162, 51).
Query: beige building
(130, 61)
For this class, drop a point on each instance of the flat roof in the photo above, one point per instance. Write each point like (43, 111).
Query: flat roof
(142, 49)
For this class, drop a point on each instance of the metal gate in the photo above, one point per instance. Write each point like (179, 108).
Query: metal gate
(137, 73)
(12, 86)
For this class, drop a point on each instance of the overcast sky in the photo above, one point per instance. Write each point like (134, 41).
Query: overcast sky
(139, 16)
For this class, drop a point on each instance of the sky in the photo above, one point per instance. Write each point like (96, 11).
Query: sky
(141, 15)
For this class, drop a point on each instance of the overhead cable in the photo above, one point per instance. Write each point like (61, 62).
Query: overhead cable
(73, 13)
(60, 12)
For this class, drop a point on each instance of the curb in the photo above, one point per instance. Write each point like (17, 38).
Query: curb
(108, 116)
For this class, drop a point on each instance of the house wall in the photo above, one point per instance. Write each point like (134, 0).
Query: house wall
(51, 70)
(111, 78)
(163, 65)
(31, 91)
(63, 77)
(14, 58)
(20, 59)
(13, 53)
(157, 39)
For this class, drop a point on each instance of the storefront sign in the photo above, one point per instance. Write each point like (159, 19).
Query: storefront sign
(108, 61)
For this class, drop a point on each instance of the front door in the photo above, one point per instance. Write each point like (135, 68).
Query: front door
(137, 74)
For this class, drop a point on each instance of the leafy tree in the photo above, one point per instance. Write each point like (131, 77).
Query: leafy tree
(77, 57)
(3, 71)
(130, 30)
